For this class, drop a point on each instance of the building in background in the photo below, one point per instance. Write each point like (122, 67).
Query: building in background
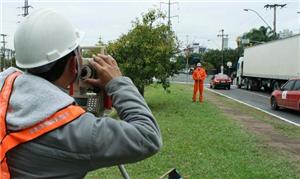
(195, 47)
(225, 42)
(285, 33)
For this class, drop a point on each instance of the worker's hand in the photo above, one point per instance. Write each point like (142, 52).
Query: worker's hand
(106, 68)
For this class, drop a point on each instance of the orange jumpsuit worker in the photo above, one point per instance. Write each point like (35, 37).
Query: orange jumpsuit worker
(199, 76)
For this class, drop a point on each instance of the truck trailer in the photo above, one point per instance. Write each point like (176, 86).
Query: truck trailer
(269, 65)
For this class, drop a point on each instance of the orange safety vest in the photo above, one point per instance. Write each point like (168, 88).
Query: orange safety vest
(199, 74)
(11, 139)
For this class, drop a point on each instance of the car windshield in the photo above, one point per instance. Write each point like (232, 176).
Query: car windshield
(297, 85)
(288, 85)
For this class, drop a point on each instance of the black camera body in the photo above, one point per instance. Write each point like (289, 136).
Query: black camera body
(91, 99)
(87, 71)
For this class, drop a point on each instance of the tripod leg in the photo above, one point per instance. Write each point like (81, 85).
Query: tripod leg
(123, 172)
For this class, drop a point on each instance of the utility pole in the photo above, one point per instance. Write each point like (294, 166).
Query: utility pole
(25, 7)
(169, 11)
(187, 52)
(3, 50)
(274, 6)
(10, 56)
(222, 35)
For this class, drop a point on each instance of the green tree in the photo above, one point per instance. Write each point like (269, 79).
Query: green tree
(195, 58)
(181, 60)
(146, 51)
(260, 35)
(212, 59)
(6, 63)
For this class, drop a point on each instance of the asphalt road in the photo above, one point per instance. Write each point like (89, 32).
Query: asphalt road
(258, 100)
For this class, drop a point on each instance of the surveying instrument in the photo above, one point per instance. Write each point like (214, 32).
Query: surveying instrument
(91, 99)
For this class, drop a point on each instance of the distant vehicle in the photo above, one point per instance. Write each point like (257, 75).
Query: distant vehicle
(288, 96)
(183, 71)
(269, 65)
(220, 81)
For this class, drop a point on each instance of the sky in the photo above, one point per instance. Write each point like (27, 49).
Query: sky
(196, 21)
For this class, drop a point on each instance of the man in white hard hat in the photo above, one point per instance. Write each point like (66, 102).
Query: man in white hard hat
(44, 134)
(199, 76)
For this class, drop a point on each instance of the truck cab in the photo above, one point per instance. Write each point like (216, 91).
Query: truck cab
(239, 72)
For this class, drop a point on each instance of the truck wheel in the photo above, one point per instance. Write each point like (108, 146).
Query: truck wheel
(239, 86)
(274, 105)
(249, 85)
(228, 87)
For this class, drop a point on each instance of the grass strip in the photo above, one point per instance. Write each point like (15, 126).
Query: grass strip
(201, 142)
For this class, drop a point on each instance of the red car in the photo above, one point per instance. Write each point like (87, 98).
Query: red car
(220, 80)
(288, 96)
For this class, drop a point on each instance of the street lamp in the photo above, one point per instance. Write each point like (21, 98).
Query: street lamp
(259, 17)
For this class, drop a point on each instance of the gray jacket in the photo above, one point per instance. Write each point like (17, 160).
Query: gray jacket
(85, 144)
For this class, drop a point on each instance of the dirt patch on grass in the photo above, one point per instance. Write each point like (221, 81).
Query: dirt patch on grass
(266, 132)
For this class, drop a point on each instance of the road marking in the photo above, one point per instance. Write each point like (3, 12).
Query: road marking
(274, 115)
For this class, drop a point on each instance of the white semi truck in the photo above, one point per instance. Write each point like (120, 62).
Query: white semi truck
(269, 65)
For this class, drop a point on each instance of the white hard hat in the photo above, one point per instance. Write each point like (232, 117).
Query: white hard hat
(44, 37)
(198, 64)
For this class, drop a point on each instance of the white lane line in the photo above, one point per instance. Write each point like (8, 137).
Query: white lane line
(274, 115)
(279, 117)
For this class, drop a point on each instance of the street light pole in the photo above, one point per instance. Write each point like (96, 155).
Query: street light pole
(259, 17)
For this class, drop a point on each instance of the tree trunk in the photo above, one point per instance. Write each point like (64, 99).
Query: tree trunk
(141, 90)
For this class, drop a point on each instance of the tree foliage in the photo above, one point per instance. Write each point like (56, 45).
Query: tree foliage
(212, 59)
(195, 58)
(260, 35)
(181, 60)
(6, 63)
(145, 52)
